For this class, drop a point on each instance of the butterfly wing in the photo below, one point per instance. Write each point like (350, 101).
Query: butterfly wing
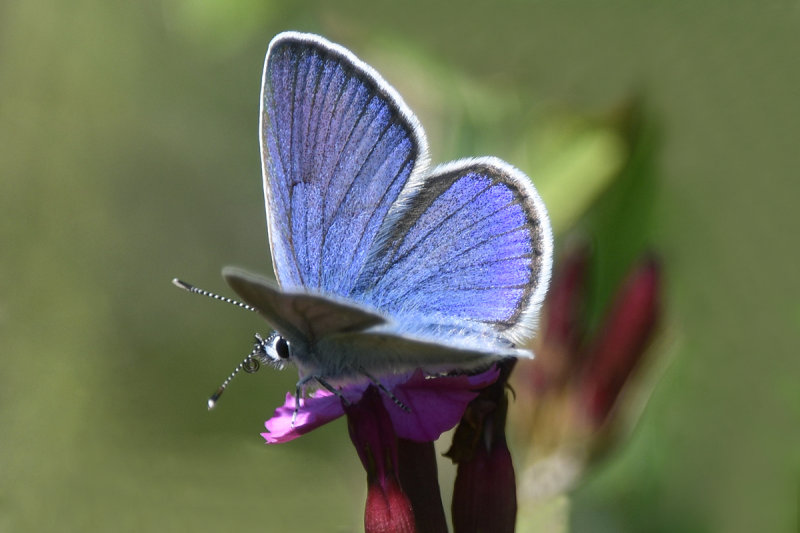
(338, 145)
(302, 318)
(383, 350)
(348, 338)
(473, 245)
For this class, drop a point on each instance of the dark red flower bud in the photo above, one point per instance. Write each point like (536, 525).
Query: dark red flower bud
(485, 494)
(388, 509)
(622, 339)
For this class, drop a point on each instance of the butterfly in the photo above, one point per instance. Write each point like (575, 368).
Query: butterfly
(383, 265)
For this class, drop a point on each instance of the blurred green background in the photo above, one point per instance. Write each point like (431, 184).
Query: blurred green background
(129, 155)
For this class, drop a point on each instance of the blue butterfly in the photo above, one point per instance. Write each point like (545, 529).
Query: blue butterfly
(383, 265)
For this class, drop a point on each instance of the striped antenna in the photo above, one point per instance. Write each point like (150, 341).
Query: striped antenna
(250, 364)
(191, 288)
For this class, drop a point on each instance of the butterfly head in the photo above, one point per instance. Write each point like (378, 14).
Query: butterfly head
(274, 350)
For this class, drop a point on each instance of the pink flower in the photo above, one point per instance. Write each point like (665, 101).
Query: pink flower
(436, 405)
(394, 445)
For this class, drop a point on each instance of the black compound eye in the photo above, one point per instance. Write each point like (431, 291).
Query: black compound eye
(282, 348)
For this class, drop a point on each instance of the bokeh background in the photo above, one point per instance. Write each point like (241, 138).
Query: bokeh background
(129, 155)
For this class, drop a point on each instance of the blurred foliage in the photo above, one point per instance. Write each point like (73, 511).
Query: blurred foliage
(129, 155)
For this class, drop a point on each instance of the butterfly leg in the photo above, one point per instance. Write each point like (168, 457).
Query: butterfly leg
(386, 391)
(301, 386)
(298, 390)
(332, 389)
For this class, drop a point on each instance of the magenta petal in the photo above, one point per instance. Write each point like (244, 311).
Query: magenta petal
(436, 404)
(316, 410)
